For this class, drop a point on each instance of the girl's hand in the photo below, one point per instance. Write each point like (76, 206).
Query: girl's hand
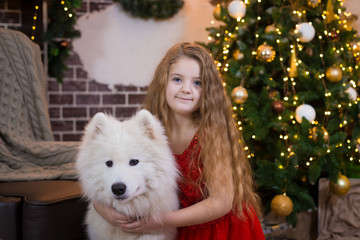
(142, 225)
(111, 215)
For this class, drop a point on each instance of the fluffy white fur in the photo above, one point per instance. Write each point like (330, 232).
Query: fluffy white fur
(129, 166)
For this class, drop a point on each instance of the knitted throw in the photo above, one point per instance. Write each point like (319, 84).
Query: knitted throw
(27, 148)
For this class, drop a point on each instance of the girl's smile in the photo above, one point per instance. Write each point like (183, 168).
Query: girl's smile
(186, 99)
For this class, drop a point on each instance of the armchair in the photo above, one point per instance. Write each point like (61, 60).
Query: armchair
(40, 197)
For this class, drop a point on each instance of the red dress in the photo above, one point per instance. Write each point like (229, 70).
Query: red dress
(227, 227)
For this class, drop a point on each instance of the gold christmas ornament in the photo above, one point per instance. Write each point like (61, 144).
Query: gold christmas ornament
(266, 53)
(282, 205)
(330, 15)
(270, 28)
(341, 186)
(333, 74)
(238, 55)
(293, 68)
(217, 12)
(239, 94)
(313, 3)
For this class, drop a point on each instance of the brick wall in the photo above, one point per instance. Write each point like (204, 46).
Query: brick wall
(78, 98)
(10, 14)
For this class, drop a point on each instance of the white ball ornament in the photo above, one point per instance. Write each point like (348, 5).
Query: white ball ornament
(352, 93)
(306, 111)
(307, 31)
(237, 9)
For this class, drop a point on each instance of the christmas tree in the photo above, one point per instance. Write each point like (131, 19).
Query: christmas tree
(292, 70)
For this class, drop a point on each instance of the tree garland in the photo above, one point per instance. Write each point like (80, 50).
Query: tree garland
(59, 34)
(157, 9)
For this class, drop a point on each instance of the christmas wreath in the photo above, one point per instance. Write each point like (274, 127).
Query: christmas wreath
(157, 9)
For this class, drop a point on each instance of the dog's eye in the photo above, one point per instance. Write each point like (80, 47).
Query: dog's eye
(109, 163)
(133, 162)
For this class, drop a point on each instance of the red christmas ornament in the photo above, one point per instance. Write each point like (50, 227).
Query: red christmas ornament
(277, 106)
(63, 44)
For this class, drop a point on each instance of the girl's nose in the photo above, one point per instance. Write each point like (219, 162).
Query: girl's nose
(185, 87)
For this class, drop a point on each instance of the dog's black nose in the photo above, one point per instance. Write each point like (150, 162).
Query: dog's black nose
(118, 189)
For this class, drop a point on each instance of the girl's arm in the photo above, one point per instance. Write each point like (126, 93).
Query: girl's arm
(211, 208)
(110, 214)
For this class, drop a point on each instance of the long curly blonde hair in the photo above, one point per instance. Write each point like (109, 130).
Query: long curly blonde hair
(220, 141)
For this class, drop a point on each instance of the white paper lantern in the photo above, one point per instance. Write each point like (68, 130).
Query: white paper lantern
(306, 111)
(237, 9)
(307, 31)
(352, 93)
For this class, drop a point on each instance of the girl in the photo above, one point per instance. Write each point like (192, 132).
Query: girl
(216, 190)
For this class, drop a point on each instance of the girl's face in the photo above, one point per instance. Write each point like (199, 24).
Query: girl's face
(183, 89)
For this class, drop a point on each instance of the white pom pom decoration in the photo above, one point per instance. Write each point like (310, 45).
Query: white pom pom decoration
(352, 93)
(237, 9)
(307, 31)
(306, 111)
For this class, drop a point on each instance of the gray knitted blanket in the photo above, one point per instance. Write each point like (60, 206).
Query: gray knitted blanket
(27, 148)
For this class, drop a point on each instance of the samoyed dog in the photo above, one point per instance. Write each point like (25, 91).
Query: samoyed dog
(127, 165)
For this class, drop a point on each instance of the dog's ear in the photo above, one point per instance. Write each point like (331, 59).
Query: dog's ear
(96, 125)
(149, 123)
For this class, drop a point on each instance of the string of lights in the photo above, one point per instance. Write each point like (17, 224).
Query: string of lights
(230, 35)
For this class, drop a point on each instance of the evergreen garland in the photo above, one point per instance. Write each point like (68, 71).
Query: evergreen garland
(59, 34)
(157, 9)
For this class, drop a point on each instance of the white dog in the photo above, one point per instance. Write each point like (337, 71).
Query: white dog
(127, 165)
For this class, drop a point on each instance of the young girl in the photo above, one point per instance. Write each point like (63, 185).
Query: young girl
(216, 190)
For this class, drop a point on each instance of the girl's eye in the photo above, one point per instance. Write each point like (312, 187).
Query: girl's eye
(197, 83)
(109, 163)
(133, 162)
(176, 79)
